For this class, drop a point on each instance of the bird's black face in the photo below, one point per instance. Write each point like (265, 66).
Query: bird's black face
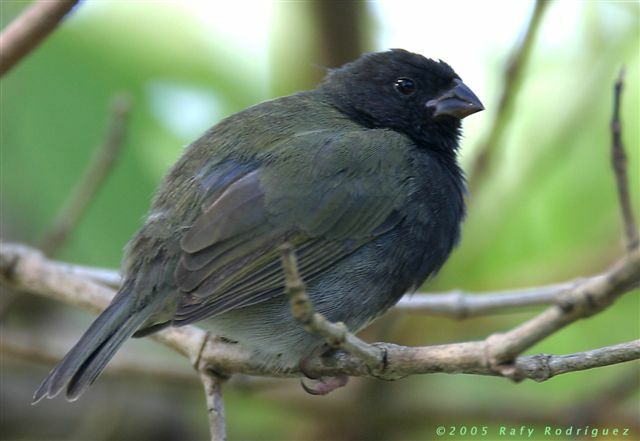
(400, 90)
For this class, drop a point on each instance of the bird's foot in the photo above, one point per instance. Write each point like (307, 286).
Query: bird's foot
(323, 385)
(315, 385)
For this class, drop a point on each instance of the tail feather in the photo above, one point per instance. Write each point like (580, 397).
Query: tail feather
(95, 364)
(84, 362)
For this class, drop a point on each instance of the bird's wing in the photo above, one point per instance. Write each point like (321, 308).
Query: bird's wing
(328, 196)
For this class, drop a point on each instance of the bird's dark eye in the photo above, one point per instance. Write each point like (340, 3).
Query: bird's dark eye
(405, 86)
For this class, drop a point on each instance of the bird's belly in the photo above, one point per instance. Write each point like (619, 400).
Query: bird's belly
(355, 291)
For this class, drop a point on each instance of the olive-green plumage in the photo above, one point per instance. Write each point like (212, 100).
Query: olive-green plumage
(359, 175)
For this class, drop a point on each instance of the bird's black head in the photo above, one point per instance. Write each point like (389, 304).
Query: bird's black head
(403, 91)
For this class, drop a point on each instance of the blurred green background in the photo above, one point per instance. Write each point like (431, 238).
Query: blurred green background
(548, 211)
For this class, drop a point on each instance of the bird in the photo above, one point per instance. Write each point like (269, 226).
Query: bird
(359, 175)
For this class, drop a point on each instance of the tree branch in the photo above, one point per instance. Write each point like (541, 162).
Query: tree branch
(24, 33)
(619, 161)
(461, 305)
(28, 270)
(215, 405)
(212, 384)
(19, 346)
(560, 364)
(511, 80)
(586, 299)
(93, 178)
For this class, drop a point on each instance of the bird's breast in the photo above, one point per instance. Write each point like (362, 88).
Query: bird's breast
(430, 230)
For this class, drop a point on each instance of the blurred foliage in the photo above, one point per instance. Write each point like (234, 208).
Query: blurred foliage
(548, 213)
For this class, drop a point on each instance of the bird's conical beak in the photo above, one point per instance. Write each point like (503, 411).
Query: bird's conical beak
(458, 102)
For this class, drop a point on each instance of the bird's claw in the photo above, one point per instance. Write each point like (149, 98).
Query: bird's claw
(316, 385)
(323, 385)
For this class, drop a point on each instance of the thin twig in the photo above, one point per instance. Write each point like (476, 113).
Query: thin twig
(212, 384)
(608, 355)
(93, 178)
(461, 305)
(24, 33)
(28, 270)
(336, 334)
(215, 405)
(619, 161)
(512, 78)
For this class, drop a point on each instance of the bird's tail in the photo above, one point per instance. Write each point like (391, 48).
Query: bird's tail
(86, 360)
